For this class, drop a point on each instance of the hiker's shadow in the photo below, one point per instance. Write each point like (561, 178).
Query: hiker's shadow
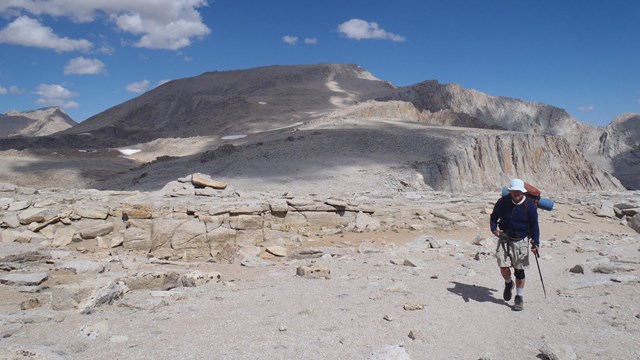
(474, 292)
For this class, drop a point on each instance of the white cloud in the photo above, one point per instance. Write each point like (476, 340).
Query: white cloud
(359, 29)
(291, 40)
(3, 90)
(311, 41)
(138, 87)
(15, 90)
(84, 66)
(106, 49)
(159, 24)
(586, 108)
(163, 81)
(55, 95)
(26, 31)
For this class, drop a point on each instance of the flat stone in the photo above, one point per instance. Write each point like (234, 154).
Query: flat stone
(94, 231)
(20, 205)
(63, 236)
(24, 279)
(10, 221)
(92, 212)
(82, 266)
(20, 253)
(341, 204)
(255, 261)
(447, 215)
(6, 187)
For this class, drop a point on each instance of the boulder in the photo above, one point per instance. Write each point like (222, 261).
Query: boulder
(313, 272)
(104, 295)
(35, 215)
(203, 180)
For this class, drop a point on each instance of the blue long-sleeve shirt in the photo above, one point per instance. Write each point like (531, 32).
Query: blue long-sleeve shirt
(518, 221)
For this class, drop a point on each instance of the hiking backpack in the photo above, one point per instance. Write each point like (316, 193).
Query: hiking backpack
(532, 193)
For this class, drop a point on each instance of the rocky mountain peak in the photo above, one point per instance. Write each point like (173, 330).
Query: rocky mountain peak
(627, 122)
(40, 122)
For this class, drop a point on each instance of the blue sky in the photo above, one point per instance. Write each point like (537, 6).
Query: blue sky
(85, 56)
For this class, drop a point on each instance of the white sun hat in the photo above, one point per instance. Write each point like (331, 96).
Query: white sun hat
(517, 185)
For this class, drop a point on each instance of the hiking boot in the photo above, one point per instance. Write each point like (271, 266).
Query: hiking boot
(519, 304)
(506, 295)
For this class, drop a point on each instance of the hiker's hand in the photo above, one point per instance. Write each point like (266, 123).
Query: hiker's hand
(497, 233)
(534, 249)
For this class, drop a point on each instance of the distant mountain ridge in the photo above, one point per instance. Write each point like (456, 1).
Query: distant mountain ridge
(217, 104)
(40, 122)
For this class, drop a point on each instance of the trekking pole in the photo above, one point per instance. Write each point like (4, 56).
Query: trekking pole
(539, 272)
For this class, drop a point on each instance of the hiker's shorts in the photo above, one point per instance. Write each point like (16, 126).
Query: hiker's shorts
(512, 253)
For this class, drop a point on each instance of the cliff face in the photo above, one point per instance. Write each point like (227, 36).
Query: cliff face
(616, 148)
(478, 159)
(549, 162)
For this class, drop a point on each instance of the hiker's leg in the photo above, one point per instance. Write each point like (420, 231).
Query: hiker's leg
(521, 262)
(519, 279)
(519, 302)
(506, 273)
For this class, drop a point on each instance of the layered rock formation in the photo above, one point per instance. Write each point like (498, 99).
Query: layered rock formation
(549, 162)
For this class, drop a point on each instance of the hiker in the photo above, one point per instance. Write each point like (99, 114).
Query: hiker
(513, 220)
